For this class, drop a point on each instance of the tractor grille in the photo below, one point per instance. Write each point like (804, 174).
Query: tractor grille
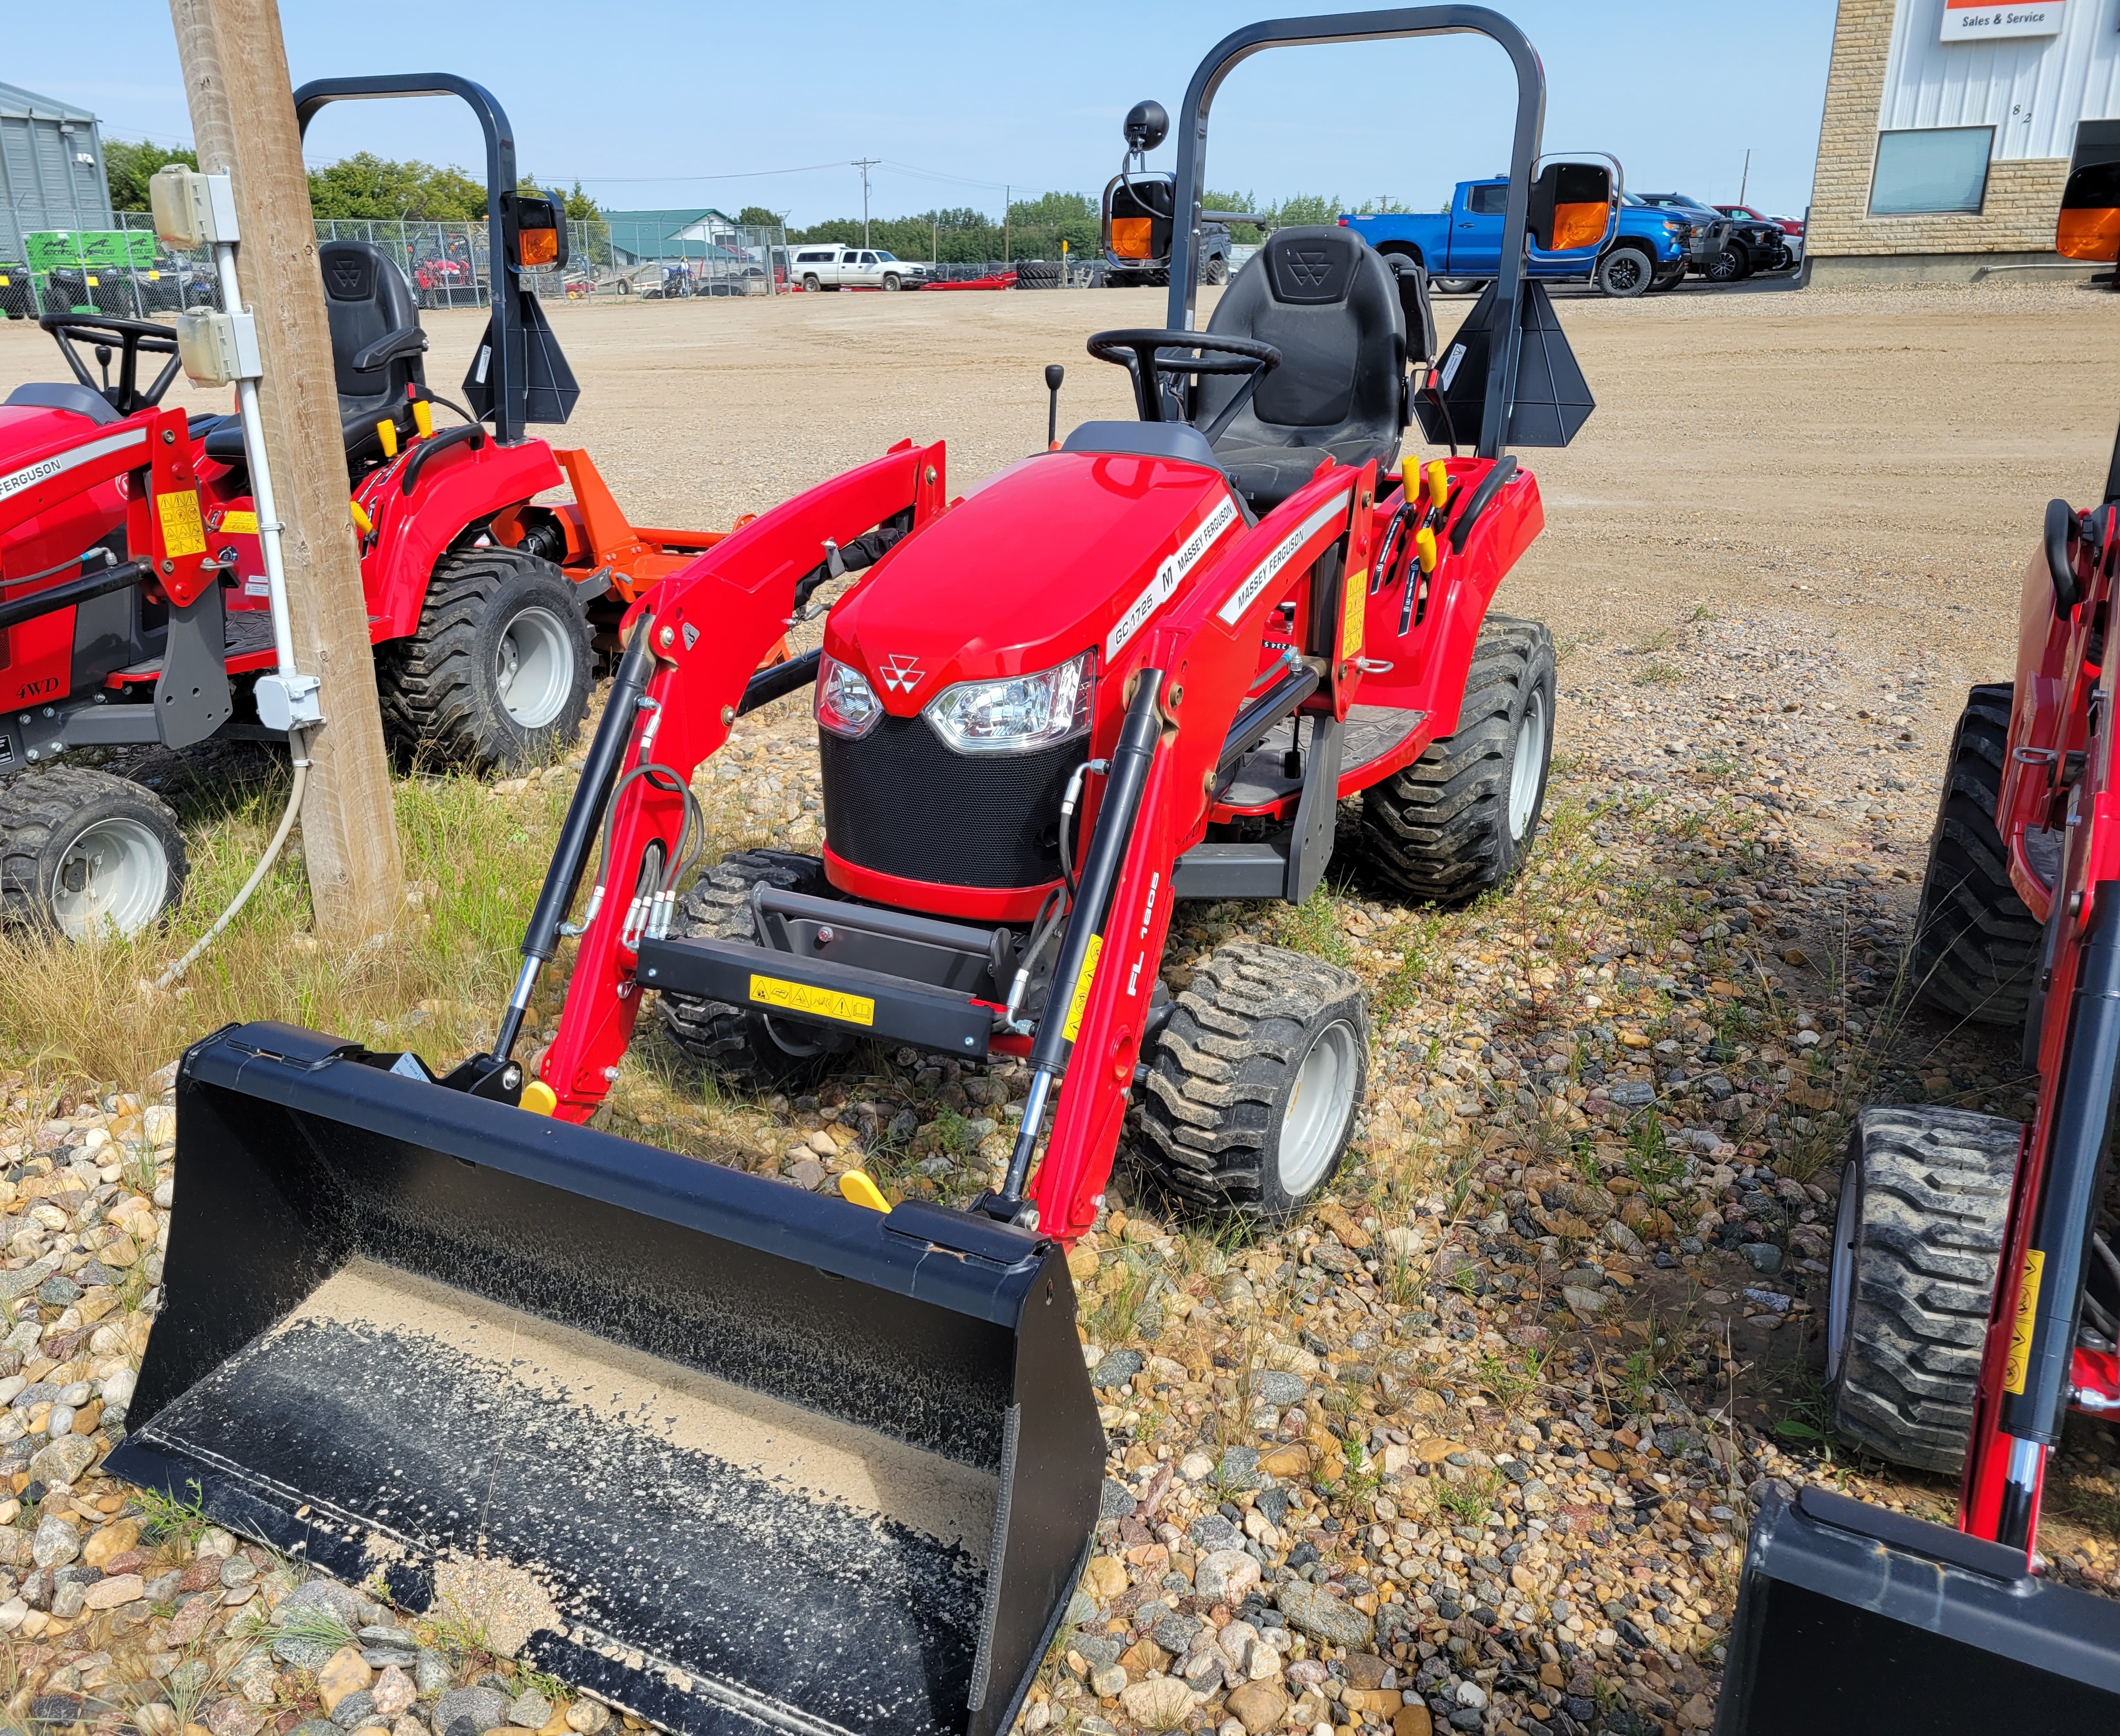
(899, 802)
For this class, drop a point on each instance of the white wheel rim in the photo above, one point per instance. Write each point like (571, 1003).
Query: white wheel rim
(533, 668)
(1840, 1284)
(114, 877)
(1528, 772)
(1316, 1118)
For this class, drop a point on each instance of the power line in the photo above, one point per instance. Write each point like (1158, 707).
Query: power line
(865, 164)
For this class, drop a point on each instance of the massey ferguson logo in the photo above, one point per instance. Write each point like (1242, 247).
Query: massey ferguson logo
(901, 674)
(1309, 266)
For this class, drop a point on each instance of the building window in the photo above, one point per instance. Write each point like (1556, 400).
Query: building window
(1930, 170)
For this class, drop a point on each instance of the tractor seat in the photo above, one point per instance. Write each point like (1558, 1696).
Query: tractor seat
(373, 319)
(1327, 301)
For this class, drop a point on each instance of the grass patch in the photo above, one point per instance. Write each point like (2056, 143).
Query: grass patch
(1657, 673)
(1468, 1503)
(163, 1516)
(1317, 928)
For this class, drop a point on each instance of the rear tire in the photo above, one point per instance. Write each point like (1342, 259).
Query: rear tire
(1625, 272)
(83, 852)
(738, 1042)
(1924, 1200)
(1253, 1084)
(498, 674)
(1976, 946)
(1215, 271)
(1460, 820)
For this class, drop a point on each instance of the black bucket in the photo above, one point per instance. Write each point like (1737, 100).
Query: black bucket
(721, 1452)
(1852, 1620)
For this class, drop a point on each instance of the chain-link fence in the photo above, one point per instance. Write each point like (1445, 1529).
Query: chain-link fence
(127, 272)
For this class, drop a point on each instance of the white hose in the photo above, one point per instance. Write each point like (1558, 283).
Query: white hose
(257, 874)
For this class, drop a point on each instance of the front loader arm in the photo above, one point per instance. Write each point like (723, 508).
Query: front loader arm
(707, 628)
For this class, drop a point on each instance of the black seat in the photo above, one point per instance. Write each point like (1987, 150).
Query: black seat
(1330, 305)
(376, 345)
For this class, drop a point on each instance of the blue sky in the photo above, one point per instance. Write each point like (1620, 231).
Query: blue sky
(632, 95)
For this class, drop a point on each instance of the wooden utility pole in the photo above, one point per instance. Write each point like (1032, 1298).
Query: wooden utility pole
(243, 122)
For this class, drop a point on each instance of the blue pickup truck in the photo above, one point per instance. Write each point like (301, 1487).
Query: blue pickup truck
(1649, 248)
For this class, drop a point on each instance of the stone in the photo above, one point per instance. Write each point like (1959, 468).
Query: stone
(355, 1710)
(1225, 1575)
(1324, 1617)
(1291, 1462)
(394, 1692)
(531, 1711)
(1108, 1681)
(64, 1460)
(1082, 1262)
(111, 1593)
(231, 1717)
(344, 1671)
(1196, 1467)
(1119, 1367)
(1762, 1256)
(1240, 1467)
(105, 1545)
(1159, 1703)
(1107, 1576)
(1413, 1719)
(1257, 1706)
(56, 1542)
(586, 1717)
(468, 1711)
(1117, 1501)
(1280, 1389)
(1585, 1303)
(431, 1672)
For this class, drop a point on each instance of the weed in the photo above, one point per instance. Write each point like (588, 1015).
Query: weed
(953, 1133)
(315, 1624)
(166, 1516)
(1469, 1502)
(1659, 1166)
(1119, 1305)
(1317, 928)
(1513, 1380)
(1656, 674)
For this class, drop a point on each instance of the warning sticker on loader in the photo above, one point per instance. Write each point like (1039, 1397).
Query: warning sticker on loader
(183, 533)
(1352, 605)
(827, 1004)
(1081, 998)
(239, 524)
(2019, 1361)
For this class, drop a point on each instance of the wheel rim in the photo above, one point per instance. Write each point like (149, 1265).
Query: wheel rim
(1318, 1107)
(113, 876)
(1528, 772)
(1625, 271)
(533, 668)
(1840, 1284)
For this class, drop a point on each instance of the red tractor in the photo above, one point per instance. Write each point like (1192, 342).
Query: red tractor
(1973, 1299)
(485, 603)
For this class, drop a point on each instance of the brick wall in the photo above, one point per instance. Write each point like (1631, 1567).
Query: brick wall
(2023, 194)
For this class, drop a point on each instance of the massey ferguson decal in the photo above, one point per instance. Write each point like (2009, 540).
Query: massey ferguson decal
(902, 674)
(1285, 550)
(1168, 576)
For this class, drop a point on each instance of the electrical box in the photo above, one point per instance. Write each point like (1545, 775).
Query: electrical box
(192, 210)
(217, 348)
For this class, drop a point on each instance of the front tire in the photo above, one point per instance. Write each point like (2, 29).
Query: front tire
(83, 852)
(1459, 821)
(498, 674)
(741, 1043)
(1916, 1244)
(891, 282)
(1251, 1086)
(1724, 267)
(1976, 945)
(1215, 271)
(1625, 272)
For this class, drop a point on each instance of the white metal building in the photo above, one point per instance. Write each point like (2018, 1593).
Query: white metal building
(51, 168)
(1948, 128)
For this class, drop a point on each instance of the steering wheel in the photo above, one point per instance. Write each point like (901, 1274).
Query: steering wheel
(1141, 353)
(134, 338)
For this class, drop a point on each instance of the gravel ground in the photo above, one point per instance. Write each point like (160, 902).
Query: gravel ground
(1474, 1445)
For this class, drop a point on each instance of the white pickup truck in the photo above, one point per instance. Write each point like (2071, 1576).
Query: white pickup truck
(830, 266)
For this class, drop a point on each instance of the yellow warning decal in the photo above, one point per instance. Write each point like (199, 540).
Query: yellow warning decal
(1351, 615)
(2018, 1363)
(1081, 998)
(182, 532)
(238, 524)
(829, 1004)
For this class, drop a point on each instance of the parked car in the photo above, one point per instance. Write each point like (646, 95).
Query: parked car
(832, 266)
(1750, 245)
(1792, 228)
(1461, 244)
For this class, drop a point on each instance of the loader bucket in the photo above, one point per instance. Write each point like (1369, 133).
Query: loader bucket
(1853, 1620)
(721, 1452)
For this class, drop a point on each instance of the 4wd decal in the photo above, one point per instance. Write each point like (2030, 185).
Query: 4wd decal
(1204, 537)
(1285, 551)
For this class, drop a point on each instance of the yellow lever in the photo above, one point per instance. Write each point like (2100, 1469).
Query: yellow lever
(387, 429)
(362, 522)
(1439, 483)
(423, 417)
(1424, 546)
(855, 1186)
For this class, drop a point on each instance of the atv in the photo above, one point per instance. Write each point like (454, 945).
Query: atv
(487, 605)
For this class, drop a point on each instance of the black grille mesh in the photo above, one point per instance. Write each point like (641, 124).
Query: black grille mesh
(899, 802)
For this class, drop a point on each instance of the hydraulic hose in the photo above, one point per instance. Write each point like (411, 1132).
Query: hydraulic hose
(258, 874)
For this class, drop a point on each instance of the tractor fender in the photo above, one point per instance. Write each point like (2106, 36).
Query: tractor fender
(462, 487)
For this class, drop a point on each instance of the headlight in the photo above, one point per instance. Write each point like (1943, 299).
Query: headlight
(1673, 226)
(1018, 715)
(845, 704)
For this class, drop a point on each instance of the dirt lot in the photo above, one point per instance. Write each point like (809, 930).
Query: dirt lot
(1563, 1309)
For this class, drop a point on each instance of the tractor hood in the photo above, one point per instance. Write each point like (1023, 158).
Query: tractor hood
(1062, 553)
